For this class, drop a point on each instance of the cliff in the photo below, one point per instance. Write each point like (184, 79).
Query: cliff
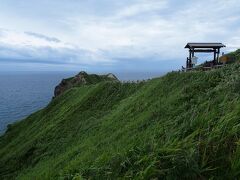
(179, 126)
(82, 79)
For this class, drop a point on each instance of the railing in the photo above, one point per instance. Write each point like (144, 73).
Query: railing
(203, 68)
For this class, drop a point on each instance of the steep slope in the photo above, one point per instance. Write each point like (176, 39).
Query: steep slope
(182, 125)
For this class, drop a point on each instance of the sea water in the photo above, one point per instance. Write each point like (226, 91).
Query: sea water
(22, 93)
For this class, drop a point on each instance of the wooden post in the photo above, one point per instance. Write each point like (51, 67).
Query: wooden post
(190, 58)
(214, 57)
(218, 52)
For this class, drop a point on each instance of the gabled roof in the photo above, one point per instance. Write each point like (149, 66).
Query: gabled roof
(204, 45)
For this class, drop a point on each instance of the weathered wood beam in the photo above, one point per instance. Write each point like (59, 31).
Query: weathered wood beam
(203, 50)
(218, 52)
(215, 61)
(190, 58)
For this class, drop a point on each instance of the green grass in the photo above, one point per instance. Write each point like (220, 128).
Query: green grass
(234, 56)
(182, 125)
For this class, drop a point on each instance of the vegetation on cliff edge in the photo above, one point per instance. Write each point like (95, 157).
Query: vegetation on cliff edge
(182, 125)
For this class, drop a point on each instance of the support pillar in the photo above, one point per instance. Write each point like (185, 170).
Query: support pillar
(215, 62)
(218, 52)
(190, 59)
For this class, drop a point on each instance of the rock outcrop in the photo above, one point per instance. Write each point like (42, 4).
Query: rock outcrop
(80, 79)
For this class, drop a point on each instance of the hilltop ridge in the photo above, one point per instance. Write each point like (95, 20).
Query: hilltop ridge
(81, 79)
(182, 125)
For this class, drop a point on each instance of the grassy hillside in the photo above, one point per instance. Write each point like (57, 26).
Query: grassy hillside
(234, 55)
(183, 125)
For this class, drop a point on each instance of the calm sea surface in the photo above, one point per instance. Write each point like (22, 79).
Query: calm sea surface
(23, 93)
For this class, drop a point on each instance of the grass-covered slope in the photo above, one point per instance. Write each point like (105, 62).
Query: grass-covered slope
(183, 125)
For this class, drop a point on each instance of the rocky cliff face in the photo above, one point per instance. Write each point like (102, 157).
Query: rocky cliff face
(81, 79)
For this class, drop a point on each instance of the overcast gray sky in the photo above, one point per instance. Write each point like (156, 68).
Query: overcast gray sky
(111, 35)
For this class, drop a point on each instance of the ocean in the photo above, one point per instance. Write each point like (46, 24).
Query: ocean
(22, 93)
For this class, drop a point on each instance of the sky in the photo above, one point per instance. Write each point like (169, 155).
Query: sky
(111, 35)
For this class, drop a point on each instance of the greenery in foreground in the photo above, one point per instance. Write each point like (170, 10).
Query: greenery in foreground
(182, 125)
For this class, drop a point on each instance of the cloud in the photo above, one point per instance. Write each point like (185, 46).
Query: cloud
(118, 33)
(150, 28)
(25, 48)
(141, 8)
(51, 39)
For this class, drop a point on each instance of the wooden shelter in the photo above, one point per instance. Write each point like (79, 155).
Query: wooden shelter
(203, 48)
